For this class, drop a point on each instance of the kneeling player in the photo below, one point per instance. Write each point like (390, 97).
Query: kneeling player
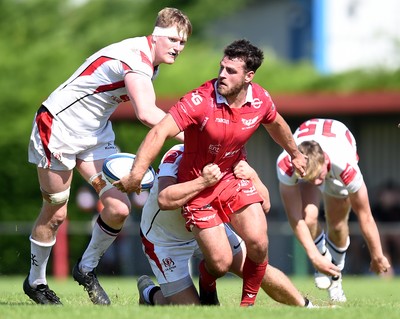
(169, 246)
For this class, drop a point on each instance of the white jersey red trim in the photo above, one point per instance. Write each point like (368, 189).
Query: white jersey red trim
(164, 227)
(339, 146)
(85, 102)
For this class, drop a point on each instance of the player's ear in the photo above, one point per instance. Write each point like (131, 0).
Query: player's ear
(249, 76)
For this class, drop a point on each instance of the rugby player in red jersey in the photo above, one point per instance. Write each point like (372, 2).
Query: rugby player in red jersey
(217, 119)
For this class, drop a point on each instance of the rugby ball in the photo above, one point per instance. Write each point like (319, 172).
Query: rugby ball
(118, 165)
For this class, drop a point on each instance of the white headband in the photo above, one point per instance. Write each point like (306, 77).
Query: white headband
(169, 32)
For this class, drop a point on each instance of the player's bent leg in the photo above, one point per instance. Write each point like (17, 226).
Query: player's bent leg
(181, 292)
(338, 240)
(275, 283)
(251, 225)
(116, 208)
(217, 254)
(279, 287)
(54, 186)
(106, 229)
(214, 244)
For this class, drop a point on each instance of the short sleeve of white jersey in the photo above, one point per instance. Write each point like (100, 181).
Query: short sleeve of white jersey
(285, 170)
(134, 55)
(170, 161)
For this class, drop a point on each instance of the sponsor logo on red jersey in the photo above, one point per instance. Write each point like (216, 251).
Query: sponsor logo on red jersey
(250, 122)
(256, 103)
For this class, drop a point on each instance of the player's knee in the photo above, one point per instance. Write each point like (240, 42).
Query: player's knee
(220, 266)
(117, 210)
(56, 198)
(258, 250)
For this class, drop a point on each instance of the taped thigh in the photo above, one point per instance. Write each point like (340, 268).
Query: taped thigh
(100, 183)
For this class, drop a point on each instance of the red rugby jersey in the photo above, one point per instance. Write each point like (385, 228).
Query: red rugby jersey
(215, 133)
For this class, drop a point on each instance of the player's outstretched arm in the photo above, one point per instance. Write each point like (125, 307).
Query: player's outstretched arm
(361, 207)
(281, 134)
(292, 203)
(146, 154)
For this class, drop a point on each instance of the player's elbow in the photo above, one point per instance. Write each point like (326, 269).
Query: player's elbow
(145, 119)
(166, 204)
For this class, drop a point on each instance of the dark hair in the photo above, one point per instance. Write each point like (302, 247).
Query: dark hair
(244, 50)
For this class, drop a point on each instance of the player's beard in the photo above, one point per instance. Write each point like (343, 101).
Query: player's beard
(233, 91)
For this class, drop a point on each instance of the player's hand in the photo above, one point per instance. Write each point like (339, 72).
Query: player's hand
(243, 170)
(211, 174)
(323, 265)
(129, 184)
(299, 162)
(379, 265)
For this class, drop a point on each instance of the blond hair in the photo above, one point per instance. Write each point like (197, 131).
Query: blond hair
(315, 159)
(169, 17)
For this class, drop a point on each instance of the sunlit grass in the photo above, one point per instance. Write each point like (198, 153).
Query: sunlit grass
(368, 297)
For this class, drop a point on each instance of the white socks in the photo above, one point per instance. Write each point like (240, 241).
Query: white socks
(102, 238)
(320, 243)
(40, 253)
(338, 254)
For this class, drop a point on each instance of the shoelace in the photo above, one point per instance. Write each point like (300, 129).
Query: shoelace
(50, 294)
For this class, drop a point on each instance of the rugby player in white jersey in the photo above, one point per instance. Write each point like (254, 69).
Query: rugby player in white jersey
(333, 177)
(72, 129)
(169, 246)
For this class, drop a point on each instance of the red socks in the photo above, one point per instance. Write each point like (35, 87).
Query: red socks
(206, 280)
(252, 277)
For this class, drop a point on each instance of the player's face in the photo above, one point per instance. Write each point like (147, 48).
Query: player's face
(321, 177)
(231, 77)
(168, 49)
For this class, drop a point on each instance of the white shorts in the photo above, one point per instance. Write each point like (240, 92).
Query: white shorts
(334, 188)
(170, 264)
(53, 146)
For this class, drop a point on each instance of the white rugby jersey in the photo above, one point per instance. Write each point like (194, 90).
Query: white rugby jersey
(164, 227)
(339, 146)
(85, 102)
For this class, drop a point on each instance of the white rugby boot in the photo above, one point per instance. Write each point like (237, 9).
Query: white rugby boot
(321, 280)
(335, 291)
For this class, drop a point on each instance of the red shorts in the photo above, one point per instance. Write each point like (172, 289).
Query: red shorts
(232, 195)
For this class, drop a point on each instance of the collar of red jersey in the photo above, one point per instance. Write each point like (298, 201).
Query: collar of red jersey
(222, 99)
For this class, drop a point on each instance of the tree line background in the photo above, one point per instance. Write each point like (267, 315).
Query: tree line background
(42, 42)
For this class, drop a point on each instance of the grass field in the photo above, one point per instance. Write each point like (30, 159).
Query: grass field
(368, 297)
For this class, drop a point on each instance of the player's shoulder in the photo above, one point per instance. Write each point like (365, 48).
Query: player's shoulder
(207, 88)
(128, 50)
(173, 155)
(261, 96)
(199, 96)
